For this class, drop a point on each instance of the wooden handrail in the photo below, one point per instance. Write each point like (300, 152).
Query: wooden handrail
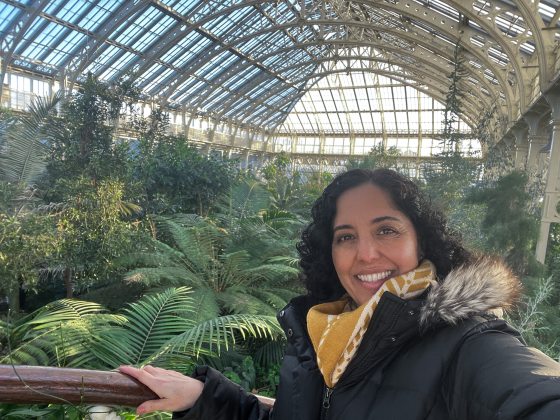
(40, 384)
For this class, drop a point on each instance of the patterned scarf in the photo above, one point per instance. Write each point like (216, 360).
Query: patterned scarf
(336, 329)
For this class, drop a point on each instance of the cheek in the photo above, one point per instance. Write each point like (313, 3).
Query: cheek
(408, 256)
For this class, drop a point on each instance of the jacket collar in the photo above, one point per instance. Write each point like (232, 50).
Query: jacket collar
(482, 286)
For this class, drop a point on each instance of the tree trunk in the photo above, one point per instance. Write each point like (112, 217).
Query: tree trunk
(13, 299)
(68, 282)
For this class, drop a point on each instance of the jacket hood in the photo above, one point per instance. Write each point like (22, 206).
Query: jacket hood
(483, 286)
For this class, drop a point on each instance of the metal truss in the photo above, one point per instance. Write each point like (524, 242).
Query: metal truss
(248, 62)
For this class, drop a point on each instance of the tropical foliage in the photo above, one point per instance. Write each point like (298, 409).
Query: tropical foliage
(378, 157)
(83, 141)
(24, 235)
(91, 231)
(23, 141)
(510, 228)
(163, 329)
(193, 251)
(167, 167)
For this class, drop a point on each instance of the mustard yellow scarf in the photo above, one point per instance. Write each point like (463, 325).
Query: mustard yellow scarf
(336, 330)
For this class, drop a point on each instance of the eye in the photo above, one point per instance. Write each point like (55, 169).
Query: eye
(387, 230)
(344, 237)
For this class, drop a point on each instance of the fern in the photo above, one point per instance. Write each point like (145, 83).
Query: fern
(58, 333)
(219, 334)
(192, 251)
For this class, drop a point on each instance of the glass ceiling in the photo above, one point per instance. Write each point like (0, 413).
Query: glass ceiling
(296, 66)
(366, 103)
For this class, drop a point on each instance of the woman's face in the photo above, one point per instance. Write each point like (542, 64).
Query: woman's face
(372, 241)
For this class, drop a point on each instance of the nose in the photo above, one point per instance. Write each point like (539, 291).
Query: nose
(368, 250)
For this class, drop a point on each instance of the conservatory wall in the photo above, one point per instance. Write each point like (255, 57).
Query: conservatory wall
(344, 127)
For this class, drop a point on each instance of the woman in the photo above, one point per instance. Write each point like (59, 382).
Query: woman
(432, 347)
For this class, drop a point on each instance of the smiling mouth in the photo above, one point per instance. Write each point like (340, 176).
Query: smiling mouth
(369, 278)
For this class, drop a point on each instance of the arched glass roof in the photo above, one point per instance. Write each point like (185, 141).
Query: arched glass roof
(365, 102)
(249, 62)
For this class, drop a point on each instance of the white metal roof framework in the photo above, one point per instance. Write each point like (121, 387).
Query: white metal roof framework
(250, 61)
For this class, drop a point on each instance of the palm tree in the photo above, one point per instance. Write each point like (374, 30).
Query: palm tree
(22, 160)
(23, 141)
(194, 251)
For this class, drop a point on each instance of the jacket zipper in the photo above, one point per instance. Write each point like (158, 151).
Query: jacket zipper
(326, 402)
(348, 377)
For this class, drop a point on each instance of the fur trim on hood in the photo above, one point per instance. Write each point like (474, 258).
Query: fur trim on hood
(482, 286)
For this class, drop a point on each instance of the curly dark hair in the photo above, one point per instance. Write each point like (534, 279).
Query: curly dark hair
(436, 241)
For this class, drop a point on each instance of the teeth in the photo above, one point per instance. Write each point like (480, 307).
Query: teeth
(374, 276)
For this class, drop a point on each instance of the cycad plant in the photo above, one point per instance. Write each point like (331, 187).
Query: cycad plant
(163, 329)
(255, 226)
(193, 251)
(59, 334)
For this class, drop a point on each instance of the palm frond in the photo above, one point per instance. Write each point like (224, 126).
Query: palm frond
(57, 333)
(154, 319)
(233, 267)
(249, 197)
(276, 299)
(201, 255)
(285, 260)
(31, 352)
(238, 300)
(61, 311)
(274, 272)
(244, 200)
(197, 244)
(271, 353)
(23, 147)
(170, 276)
(286, 293)
(147, 259)
(205, 305)
(220, 333)
(129, 209)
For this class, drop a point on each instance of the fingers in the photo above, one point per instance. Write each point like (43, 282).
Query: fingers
(177, 392)
(152, 405)
(148, 372)
(160, 371)
(130, 370)
(140, 374)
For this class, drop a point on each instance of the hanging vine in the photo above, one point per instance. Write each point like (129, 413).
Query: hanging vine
(453, 101)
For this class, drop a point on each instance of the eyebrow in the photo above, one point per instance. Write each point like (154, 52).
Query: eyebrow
(373, 221)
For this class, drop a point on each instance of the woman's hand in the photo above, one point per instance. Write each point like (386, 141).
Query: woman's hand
(177, 392)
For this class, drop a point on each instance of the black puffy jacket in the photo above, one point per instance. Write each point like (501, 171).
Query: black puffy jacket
(444, 356)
